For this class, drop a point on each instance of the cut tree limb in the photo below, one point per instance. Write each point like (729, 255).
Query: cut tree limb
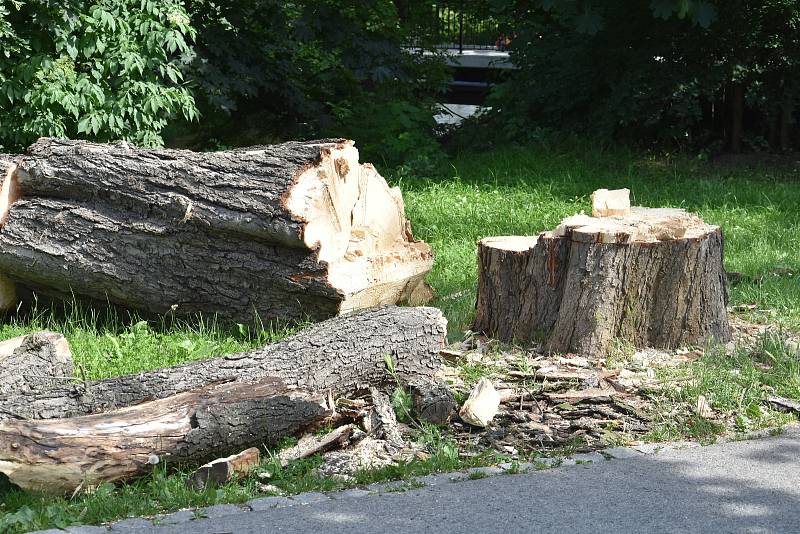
(344, 355)
(653, 277)
(61, 455)
(291, 231)
(310, 444)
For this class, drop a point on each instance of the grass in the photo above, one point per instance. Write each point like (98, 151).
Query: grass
(735, 385)
(163, 492)
(507, 191)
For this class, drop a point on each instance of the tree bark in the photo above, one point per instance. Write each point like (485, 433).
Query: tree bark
(81, 452)
(787, 115)
(34, 363)
(290, 232)
(652, 278)
(342, 355)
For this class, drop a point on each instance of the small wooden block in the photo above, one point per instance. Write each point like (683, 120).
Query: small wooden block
(222, 470)
(609, 203)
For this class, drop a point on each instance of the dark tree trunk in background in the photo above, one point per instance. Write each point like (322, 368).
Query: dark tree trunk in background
(787, 114)
(737, 117)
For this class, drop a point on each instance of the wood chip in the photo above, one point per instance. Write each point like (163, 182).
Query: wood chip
(784, 404)
(222, 470)
(584, 394)
(482, 404)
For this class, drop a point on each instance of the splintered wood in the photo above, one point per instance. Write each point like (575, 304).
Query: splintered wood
(648, 276)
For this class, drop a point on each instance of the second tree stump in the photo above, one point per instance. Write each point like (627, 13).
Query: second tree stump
(651, 277)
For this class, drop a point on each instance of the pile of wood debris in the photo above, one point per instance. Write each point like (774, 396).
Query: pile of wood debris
(538, 403)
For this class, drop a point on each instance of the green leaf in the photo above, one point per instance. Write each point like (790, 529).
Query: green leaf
(83, 125)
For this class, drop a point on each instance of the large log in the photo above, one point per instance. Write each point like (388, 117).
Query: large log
(52, 439)
(341, 355)
(291, 231)
(61, 455)
(652, 277)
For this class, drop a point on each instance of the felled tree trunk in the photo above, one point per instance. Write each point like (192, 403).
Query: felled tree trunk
(291, 231)
(652, 277)
(53, 439)
(342, 355)
(61, 455)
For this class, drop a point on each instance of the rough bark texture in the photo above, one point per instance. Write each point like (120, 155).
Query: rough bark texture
(653, 278)
(62, 455)
(34, 363)
(344, 355)
(291, 231)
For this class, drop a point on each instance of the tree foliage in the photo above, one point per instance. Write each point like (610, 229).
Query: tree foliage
(695, 72)
(105, 69)
(309, 68)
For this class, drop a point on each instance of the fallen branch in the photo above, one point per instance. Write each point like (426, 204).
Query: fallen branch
(61, 455)
(344, 354)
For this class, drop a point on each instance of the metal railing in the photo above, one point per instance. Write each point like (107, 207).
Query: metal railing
(455, 28)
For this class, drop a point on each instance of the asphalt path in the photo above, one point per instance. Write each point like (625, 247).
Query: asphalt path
(744, 486)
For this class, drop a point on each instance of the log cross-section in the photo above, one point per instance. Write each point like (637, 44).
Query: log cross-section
(294, 231)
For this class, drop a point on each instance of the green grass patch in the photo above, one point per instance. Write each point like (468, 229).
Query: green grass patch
(736, 386)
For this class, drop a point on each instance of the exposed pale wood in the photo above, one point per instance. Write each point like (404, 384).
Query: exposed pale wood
(310, 444)
(607, 202)
(653, 277)
(9, 193)
(222, 470)
(61, 455)
(291, 231)
(482, 404)
(344, 354)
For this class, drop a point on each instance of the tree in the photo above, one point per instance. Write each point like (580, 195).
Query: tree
(102, 70)
(695, 72)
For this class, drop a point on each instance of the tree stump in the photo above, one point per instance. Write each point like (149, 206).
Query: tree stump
(651, 277)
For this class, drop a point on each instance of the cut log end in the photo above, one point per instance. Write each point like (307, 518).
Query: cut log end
(9, 193)
(651, 277)
(357, 224)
